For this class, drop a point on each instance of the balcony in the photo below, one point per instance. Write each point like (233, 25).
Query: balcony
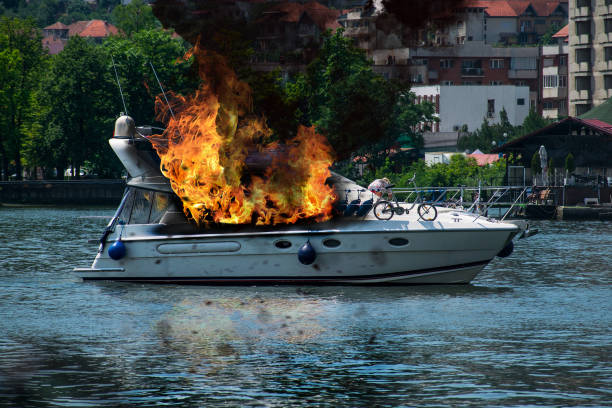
(582, 94)
(471, 72)
(550, 113)
(584, 11)
(604, 66)
(604, 9)
(553, 93)
(604, 37)
(583, 39)
(522, 73)
(583, 66)
(356, 31)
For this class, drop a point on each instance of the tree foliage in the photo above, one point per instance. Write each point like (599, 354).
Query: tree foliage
(354, 107)
(489, 136)
(134, 17)
(21, 62)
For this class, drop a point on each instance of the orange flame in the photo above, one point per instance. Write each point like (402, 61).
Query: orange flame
(204, 151)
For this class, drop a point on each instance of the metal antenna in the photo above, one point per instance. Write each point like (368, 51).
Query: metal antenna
(162, 89)
(119, 83)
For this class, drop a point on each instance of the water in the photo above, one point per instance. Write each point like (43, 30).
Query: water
(532, 329)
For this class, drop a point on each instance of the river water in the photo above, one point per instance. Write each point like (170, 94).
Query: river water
(533, 329)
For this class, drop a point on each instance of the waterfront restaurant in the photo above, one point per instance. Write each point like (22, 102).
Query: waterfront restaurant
(589, 139)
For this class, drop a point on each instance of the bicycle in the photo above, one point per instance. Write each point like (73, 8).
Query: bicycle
(385, 209)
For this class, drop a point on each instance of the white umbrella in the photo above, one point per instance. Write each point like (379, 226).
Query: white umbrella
(544, 165)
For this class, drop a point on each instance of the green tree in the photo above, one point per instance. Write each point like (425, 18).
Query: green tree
(78, 91)
(21, 60)
(134, 17)
(547, 37)
(354, 107)
(533, 122)
(132, 58)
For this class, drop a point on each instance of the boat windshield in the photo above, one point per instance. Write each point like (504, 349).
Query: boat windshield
(146, 206)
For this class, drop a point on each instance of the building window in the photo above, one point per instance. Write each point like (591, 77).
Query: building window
(471, 67)
(520, 101)
(583, 3)
(496, 63)
(446, 63)
(608, 25)
(447, 83)
(520, 83)
(548, 105)
(550, 81)
(562, 81)
(490, 108)
(562, 60)
(582, 108)
(608, 53)
(583, 55)
(584, 27)
(496, 83)
(608, 81)
(548, 62)
(583, 83)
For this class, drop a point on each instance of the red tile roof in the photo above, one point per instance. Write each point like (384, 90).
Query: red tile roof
(56, 26)
(92, 28)
(514, 8)
(484, 159)
(562, 33)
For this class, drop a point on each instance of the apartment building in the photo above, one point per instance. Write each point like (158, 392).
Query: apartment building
(463, 108)
(467, 64)
(555, 76)
(590, 54)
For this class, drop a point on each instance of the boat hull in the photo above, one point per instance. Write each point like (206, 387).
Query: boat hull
(393, 256)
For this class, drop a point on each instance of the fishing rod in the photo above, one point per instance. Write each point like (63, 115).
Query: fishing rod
(162, 89)
(119, 84)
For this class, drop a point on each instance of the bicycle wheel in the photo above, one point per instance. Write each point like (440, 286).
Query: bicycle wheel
(427, 212)
(383, 210)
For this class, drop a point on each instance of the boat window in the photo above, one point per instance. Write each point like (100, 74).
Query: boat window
(282, 244)
(124, 217)
(398, 241)
(161, 201)
(142, 206)
(331, 243)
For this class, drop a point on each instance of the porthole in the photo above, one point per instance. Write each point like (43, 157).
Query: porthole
(398, 242)
(331, 243)
(282, 244)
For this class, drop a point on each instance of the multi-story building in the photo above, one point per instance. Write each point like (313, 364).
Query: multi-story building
(590, 54)
(485, 102)
(288, 30)
(503, 22)
(554, 76)
(468, 64)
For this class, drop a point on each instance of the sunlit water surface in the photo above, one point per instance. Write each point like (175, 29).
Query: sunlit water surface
(532, 329)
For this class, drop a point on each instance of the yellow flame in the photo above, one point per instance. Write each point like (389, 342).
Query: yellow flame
(204, 149)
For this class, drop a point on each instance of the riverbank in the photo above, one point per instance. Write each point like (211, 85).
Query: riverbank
(59, 192)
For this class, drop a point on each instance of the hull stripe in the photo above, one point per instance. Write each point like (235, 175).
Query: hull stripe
(289, 280)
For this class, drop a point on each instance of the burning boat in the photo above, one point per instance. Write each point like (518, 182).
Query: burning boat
(214, 199)
(152, 238)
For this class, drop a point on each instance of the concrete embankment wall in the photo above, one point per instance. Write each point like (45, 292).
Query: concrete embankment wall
(91, 192)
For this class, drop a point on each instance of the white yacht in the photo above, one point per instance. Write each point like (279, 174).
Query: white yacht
(149, 239)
